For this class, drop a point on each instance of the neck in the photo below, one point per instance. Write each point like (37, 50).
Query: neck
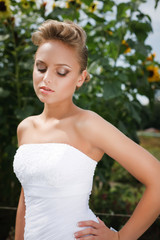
(58, 111)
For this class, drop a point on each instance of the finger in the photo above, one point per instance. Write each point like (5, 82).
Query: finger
(87, 238)
(89, 223)
(87, 231)
(102, 224)
(100, 221)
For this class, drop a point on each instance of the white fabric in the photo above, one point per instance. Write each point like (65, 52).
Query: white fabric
(57, 180)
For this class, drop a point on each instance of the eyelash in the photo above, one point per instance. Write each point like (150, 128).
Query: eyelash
(62, 75)
(43, 71)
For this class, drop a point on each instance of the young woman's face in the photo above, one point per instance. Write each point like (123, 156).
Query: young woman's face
(56, 72)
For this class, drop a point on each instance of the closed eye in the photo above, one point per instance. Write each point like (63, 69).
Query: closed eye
(62, 74)
(42, 70)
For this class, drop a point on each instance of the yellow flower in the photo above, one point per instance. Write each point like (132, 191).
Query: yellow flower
(93, 7)
(5, 8)
(153, 73)
(128, 49)
(73, 3)
(25, 4)
(110, 32)
(53, 6)
(151, 57)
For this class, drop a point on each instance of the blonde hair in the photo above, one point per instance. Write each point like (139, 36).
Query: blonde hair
(67, 32)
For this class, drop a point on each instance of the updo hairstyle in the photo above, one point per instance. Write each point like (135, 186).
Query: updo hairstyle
(67, 32)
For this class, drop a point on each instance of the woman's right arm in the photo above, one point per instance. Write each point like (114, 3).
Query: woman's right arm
(20, 220)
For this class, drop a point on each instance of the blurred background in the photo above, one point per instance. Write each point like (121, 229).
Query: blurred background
(124, 62)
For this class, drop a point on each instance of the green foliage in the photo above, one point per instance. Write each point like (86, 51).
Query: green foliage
(153, 117)
(152, 144)
(156, 3)
(118, 71)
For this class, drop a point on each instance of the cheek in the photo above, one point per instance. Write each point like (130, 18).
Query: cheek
(72, 80)
(70, 84)
(36, 78)
(34, 74)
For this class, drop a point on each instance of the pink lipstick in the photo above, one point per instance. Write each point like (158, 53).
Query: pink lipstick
(46, 90)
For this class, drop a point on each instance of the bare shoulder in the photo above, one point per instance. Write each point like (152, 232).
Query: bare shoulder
(23, 126)
(89, 115)
(89, 122)
(84, 128)
(95, 129)
(118, 146)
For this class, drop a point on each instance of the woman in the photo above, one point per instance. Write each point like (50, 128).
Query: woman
(60, 148)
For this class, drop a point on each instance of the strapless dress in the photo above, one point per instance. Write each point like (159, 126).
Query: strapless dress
(57, 179)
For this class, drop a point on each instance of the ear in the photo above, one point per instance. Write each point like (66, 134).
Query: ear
(81, 78)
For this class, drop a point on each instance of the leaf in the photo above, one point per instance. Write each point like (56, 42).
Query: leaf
(131, 107)
(122, 127)
(140, 29)
(69, 12)
(122, 77)
(88, 2)
(4, 93)
(111, 24)
(156, 3)
(24, 112)
(108, 6)
(112, 89)
(121, 10)
(112, 49)
(95, 17)
(4, 73)
(141, 49)
(141, 16)
(4, 37)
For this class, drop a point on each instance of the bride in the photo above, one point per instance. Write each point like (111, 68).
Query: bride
(59, 149)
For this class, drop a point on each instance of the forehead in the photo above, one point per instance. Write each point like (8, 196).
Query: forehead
(55, 51)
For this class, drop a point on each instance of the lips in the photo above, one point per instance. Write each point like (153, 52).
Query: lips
(46, 89)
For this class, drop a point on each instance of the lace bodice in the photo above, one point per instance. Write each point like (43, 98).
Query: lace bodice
(53, 164)
(57, 181)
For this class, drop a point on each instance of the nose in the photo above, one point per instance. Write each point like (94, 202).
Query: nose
(48, 77)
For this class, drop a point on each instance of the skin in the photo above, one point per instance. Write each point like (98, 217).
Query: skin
(20, 221)
(62, 121)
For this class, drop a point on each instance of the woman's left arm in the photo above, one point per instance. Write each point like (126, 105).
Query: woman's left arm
(137, 161)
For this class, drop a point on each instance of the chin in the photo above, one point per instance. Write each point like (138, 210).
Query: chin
(46, 101)
(42, 99)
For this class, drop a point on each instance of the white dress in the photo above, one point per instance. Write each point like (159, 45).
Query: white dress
(57, 180)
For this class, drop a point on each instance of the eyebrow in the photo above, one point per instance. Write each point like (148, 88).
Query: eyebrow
(58, 64)
(62, 64)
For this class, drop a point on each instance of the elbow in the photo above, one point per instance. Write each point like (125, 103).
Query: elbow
(153, 186)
